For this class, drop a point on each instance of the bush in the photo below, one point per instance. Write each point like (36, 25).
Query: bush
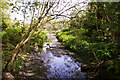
(104, 50)
(11, 36)
(38, 38)
(75, 41)
(72, 40)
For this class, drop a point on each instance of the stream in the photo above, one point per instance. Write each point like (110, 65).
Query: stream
(60, 64)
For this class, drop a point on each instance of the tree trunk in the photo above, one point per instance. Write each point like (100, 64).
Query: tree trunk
(27, 37)
(15, 51)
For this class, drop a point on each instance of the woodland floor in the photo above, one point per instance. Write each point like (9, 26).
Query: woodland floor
(33, 69)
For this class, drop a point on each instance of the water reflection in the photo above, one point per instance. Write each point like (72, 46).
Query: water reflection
(62, 66)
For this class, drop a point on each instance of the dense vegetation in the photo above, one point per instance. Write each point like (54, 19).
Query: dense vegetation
(96, 32)
(12, 34)
(92, 31)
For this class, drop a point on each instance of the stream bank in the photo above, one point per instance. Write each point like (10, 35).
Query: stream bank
(33, 69)
(52, 63)
(55, 62)
(89, 66)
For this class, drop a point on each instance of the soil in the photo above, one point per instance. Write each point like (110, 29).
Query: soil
(33, 69)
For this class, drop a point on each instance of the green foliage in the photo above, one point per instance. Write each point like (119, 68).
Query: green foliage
(114, 67)
(104, 51)
(20, 59)
(38, 38)
(99, 26)
(73, 40)
(12, 35)
(14, 32)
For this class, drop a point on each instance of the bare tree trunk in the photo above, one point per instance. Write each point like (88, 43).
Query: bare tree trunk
(25, 39)
(23, 28)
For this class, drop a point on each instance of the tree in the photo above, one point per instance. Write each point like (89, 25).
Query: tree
(101, 21)
(44, 10)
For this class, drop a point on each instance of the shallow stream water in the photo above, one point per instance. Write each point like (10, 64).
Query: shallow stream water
(60, 64)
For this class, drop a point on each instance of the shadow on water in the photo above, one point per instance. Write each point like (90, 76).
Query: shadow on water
(60, 65)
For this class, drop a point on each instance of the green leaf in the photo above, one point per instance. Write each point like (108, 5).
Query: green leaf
(11, 4)
(20, 67)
